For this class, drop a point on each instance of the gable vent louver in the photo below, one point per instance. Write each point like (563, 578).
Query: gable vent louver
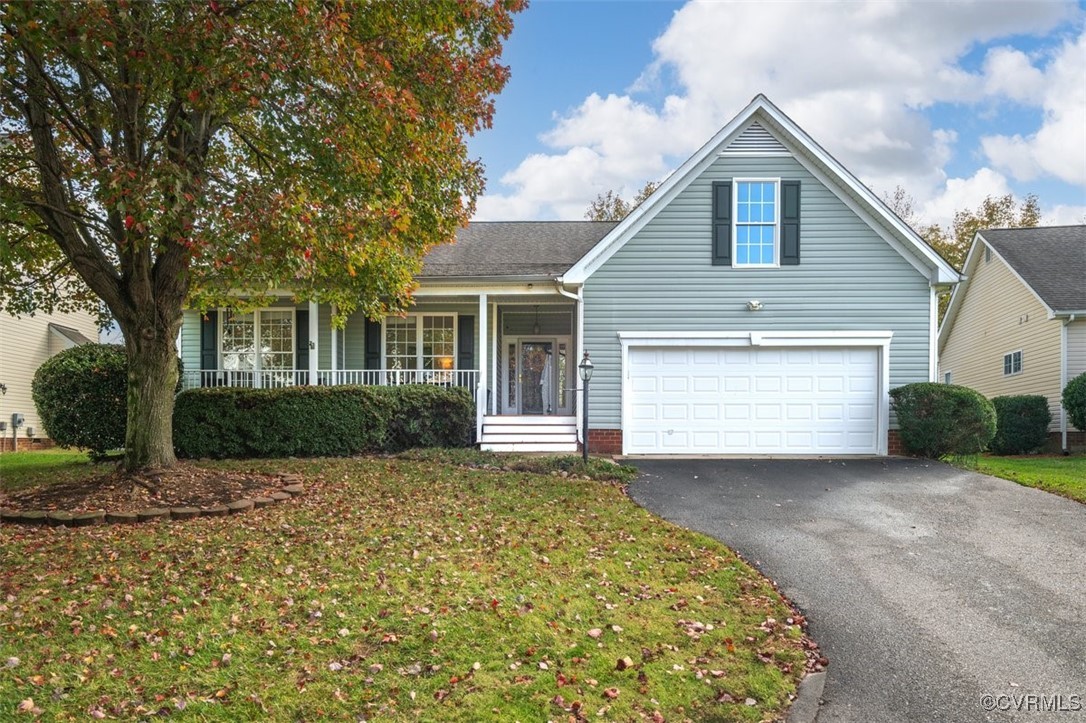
(755, 139)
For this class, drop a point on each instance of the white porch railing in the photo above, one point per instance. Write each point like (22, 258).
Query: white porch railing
(192, 379)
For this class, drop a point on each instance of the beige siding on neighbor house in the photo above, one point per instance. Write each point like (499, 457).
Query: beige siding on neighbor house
(998, 315)
(1076, 348)
(25, 343)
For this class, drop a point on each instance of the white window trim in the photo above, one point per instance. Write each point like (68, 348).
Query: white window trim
(880, 340)
(776, 222)
(256, 336)
(1021, 363)
(417, 315)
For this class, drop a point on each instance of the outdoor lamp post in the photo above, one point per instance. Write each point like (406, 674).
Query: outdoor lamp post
(585, 369)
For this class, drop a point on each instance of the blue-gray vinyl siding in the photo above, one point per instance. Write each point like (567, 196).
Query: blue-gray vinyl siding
(663, 279)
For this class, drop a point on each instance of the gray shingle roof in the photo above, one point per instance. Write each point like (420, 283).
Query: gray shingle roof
(515, 248)
(1052, 260)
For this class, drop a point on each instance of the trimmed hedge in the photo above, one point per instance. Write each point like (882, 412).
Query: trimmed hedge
(1021, 423)
(1074, 401)
(81, 397)
(937, 420)
(309, 421)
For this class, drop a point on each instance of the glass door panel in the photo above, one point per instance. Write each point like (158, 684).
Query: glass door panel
(537, 376)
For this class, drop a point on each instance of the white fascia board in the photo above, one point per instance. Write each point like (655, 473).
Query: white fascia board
(670, 188)
(755, 338)
(945, 273)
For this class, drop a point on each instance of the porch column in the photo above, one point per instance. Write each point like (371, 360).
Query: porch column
(333, 346)
(480, 398)
(314, 340)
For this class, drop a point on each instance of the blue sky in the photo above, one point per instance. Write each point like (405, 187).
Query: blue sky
(953, 101)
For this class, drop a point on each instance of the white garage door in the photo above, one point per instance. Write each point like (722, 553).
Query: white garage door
(752, 401)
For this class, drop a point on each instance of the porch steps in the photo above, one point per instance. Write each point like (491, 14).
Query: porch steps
(526, 433)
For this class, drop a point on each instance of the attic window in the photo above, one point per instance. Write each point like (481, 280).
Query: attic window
(755, 223)
(987, 254)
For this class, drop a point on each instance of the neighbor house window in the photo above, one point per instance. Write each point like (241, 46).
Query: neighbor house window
(947, 378)
(756, 223)
(259, 341)
(1012, 363)
(424, 342)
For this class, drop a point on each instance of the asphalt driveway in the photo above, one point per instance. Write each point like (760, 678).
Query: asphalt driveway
(937, 594)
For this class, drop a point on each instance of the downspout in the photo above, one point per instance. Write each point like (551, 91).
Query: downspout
(1063, 381)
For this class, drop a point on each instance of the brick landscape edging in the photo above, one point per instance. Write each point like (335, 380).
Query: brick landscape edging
(292, 487)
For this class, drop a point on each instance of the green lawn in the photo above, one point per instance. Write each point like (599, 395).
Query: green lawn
(27, 469)
(1063, 475)
(395, 589)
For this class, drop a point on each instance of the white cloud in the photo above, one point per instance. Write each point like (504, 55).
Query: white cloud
(959, 193)
(1063, 215)
(1058, 148)
(857, 77)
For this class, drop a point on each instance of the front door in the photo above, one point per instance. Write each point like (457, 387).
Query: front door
(536, 376)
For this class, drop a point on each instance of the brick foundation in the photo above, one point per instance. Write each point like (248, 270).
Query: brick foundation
(894, 447)
(605, 441)
(25, 445)
(1076, 441)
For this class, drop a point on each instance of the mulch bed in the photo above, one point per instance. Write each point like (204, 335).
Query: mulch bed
(185, 485)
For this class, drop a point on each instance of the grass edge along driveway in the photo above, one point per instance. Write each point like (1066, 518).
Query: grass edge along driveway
(394, 590)
(1065, 476)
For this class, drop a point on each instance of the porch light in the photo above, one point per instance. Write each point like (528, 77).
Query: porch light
(585, 370)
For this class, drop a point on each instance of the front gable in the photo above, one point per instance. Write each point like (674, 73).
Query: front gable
(761, 131)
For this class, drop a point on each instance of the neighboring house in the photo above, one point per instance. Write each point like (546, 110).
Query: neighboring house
(26, 342)
(1017, 322)
(761, 301)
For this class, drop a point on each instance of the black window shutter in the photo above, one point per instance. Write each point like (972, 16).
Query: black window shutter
(722, 223)
(209, 340)
(373, 344)
(465, 343)
(301, 344)
(789, 223)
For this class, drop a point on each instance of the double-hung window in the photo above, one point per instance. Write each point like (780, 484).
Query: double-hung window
(1012, 363)
(258, 347)
(755, 223)
(756, 217)
(421, 348)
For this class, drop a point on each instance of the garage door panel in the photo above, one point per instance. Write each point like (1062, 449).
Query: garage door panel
(707, 412)
(752, 401)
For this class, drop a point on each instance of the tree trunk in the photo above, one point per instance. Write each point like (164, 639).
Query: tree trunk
(152, 383)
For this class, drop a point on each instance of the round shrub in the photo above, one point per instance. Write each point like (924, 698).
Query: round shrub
(1074, 401)
(80, 394)
(937, 420)
(1021, 423)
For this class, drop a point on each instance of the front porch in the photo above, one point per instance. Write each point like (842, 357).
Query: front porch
(517, 352)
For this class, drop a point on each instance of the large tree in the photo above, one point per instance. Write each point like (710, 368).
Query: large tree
(157, 154)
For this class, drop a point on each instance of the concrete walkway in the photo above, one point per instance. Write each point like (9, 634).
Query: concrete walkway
(937, 594)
